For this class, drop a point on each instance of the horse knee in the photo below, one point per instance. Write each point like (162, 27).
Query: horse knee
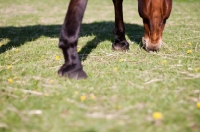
(66, 40)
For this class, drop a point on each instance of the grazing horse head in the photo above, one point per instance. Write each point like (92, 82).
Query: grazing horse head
(154, 14)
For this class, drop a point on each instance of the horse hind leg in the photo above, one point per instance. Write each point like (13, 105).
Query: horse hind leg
(68, 40)
(119, 30)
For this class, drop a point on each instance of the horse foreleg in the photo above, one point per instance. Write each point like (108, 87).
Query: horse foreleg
(119, 30)
(72, 66)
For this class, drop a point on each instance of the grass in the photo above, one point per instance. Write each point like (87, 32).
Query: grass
(123, 89)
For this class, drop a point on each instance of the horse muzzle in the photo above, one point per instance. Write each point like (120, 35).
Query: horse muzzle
(149, 46)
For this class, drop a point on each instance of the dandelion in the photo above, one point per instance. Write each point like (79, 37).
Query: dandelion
(189, 51)
(198, 105)
(164, 62)
(15, 49)
(79, 49)
(115, 68)
(76, 92)
(51, 81)
(119, 106)
(157, 115)
(82, 98)
(46, 94)
(57, 94)
(16, 77)
(197, 69)
(9, 66)
(10, 80)
(121, 60)
(189, 43)
(6, 55)
(92, 96)
(57, 57)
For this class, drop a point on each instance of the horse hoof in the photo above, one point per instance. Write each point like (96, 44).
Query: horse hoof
(120, 46)
(73, 74)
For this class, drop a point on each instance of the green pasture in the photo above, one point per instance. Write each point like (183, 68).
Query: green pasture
(132, 91)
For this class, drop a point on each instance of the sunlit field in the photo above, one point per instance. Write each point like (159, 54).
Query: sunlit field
(132, 91)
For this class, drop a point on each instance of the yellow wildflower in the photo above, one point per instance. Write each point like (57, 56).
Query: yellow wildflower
(115, 69)
(198, 105)
(92, 96)
(189, 51)
(57, 93)
(51, 81)
(16, 77)
(57, 57)
(121, 60)
(1, 44)
(197, 69)
(46, 94)
(189, 43)
(6, 55)
(15, 49)
(9, 66)
(164, 62)
(82, 98)
(76, 92)
(10, 80)
(119, 107)
(79, 49)
(157, 115)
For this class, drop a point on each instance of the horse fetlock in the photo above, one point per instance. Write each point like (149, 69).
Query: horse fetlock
(120, 45)
(72, 71)
(72, 68)
(66, 42)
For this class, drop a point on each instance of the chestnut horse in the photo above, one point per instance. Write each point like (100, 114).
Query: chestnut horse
(153, 12)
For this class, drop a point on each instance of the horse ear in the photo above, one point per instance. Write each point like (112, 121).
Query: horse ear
(167, 4)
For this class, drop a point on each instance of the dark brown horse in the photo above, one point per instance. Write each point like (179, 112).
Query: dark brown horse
(153, 12)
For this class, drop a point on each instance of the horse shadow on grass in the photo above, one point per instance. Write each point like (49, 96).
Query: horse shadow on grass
(18, 36)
